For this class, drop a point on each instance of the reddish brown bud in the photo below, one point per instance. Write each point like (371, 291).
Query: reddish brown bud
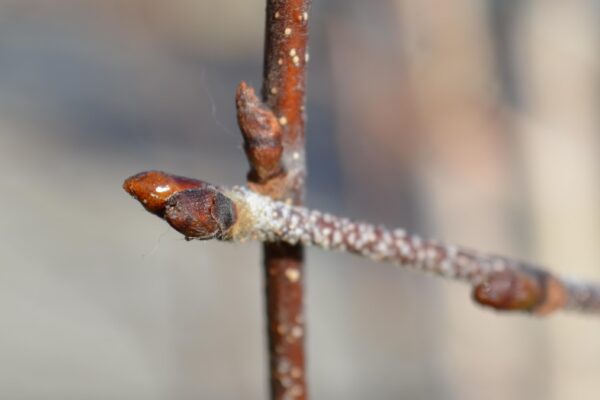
(200, 213)
(262, 135)
(527, 289)
(153, 188)
(513, 290)
(509, 290)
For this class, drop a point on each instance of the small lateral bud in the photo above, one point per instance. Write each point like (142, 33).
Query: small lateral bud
(530, 290)
(509, 290)
(201, 213)
(262, 135)
(153, 188)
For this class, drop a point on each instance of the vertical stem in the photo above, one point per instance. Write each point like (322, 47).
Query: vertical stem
(286, 55)
(284, 289)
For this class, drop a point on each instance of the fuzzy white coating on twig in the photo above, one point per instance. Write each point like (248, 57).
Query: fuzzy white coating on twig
(263, 219)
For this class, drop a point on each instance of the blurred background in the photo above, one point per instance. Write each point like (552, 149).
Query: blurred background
(471, 121)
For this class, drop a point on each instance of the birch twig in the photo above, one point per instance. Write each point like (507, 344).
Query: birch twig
(203, 211)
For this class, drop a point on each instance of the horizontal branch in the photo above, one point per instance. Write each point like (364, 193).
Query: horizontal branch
(202, 211)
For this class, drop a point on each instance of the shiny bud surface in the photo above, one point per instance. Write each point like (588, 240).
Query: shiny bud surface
(153, 188)
(200, 213)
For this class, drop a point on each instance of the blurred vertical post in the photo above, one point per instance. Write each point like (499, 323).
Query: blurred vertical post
(465, 172)
(557, 49)
(285, 59)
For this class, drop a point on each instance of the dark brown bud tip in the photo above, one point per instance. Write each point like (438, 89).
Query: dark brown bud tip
(510, 290)
(201, 213)
(153, 188)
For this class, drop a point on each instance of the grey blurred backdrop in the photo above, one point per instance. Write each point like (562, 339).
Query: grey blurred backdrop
(471, 121)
